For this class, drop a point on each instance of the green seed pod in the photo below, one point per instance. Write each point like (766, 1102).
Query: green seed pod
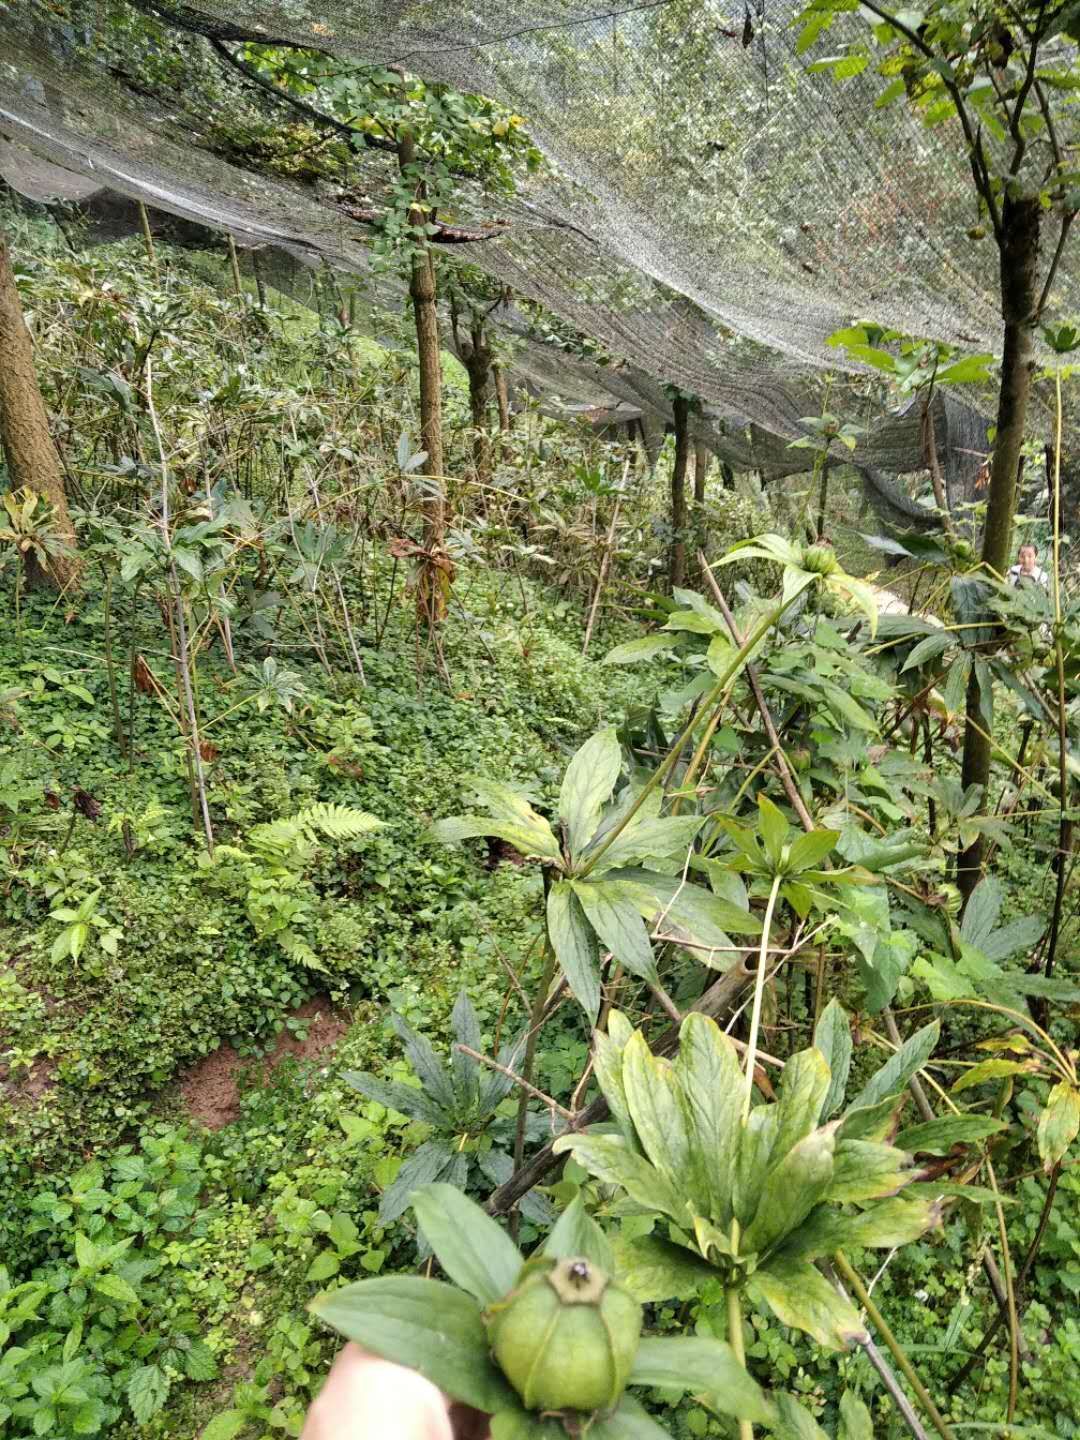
(566, 1336)
(820, 560)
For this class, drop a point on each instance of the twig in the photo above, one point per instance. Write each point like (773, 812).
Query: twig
(518, 1080)
(788, 780)
(888, 1379)
(854, 1280)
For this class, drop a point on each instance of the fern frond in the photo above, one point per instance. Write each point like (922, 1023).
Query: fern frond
(337, 822)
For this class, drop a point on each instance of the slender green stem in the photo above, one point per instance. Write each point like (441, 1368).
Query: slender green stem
(735, 1336)
(660, 774)
(1064, 823)
(853, 1279)
(1010, 1293)
(759, 993)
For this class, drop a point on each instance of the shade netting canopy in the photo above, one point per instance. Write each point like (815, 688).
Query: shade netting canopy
(709, 210)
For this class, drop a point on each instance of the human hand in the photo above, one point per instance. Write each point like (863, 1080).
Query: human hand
(365, 1398)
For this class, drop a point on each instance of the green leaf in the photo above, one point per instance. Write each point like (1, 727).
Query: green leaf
(937, 1137)
(426, 1325)
(702, 1366)
(886, 1225)
(809, 850)
(992, 1069)
(577, 1233)
(147, 1391)
(927, 649)
(799, 1295)
(855, 1419)
(86, 1252)
(587, 785)
(323, 1267)
(981, 913)
(655, 1270)
(832, 1036)
(629, 1422)
(1058, 1123)
(872, 1122)
(792, 1421)
(114, 1288)
(610, 1161)
(433, 1073)
(574, 942)
(226, 1425)
(710, 1084)
(652, 839)
(469, 827)
(752, 1161)
(405, 1099)
(803, 1088)
(899, 1068)
(199, 1362)
(645, 647)
(607, 1063)
(618, 924)
(473, 1249)
(865, 1170)
(427, 1163)
(791, 1190)
(519, 1424)
(654, 1100)
(773, 828)
(970, 368)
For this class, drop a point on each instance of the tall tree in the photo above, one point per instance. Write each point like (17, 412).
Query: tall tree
(680, 465)
(1004, 74)
(32, 460)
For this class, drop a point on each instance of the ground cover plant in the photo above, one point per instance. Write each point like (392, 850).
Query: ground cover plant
(504, 885)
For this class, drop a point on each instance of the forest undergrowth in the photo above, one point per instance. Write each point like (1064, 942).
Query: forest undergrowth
(237, 772)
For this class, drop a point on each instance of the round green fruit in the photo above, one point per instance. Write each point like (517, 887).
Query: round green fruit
(819, 560)
(565, 1336)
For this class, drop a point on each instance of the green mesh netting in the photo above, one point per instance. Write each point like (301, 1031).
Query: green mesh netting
(711, 212)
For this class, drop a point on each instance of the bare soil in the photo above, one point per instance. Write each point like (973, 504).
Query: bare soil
(210, 1091)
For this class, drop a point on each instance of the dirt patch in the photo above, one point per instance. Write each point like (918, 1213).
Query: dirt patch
(210, 1091)
(29, 1085)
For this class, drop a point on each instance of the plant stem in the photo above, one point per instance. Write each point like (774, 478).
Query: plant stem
(658, 776)
(759, 992)
(1010, 1291)
(854, 1280)
(536, 1018)
(735, 1335)
(110, 664)
(1064, 823)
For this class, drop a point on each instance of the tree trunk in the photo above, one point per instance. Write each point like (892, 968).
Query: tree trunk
(31, 456)
(502, 396)
(1019, 303)
(476, 357)
(678, 491)
(701, 470)
(652, 439)
(433, 591)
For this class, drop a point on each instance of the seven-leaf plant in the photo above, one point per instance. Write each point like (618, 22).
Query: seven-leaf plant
(445, 1330)
(615, 871)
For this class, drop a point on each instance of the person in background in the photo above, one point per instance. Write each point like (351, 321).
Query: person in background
(1027, 570)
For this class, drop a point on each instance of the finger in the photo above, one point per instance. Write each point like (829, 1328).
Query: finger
(366, 1398)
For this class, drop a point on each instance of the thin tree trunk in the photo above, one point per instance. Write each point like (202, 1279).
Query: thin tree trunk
(1019, 305)
(677, 567)
(234, 265)
(433, 590)
(502, 396)
(701, 470)
(148, 238)
(32, 458)
(477, 362)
